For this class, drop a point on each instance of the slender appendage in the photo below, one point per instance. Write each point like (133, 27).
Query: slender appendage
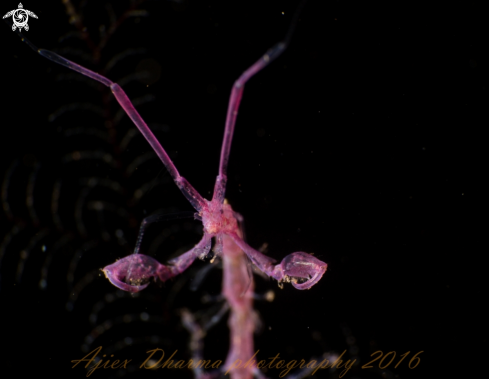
(154, 219)
(190, 193)
(235, 100)
(219, 189)
(237, 93)
(74, 66)
(182, 262)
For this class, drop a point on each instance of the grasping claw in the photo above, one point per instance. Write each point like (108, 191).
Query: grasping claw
(301, 266)
(302, 269)
(133, 272)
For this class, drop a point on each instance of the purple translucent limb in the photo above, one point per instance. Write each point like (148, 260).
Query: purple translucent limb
(235, 100)
(190, 193)
(134, 272)
(232, 114)
(302, 269)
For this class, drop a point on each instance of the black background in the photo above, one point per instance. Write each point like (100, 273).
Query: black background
(363, 144)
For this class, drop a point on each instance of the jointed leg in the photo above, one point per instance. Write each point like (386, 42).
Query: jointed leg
(294, 267)
(133, 272)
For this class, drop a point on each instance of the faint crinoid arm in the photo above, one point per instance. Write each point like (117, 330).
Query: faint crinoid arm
(197, 333)
(106, 32)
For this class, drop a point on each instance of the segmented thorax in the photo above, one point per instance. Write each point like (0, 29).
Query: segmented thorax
(219, 218)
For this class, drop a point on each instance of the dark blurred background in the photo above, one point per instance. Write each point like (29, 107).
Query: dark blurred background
(362, 144)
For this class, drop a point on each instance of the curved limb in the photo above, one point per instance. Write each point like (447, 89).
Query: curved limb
(134, 272)
(294, 267)
(301, 266)
(182, 262)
